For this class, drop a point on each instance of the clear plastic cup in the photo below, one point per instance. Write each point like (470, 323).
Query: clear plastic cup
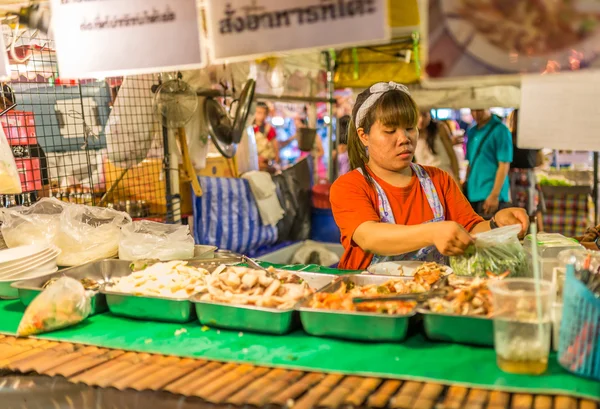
(522, 328)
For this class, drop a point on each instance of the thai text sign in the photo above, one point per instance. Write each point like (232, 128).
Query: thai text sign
(242, 28)
(115, 37)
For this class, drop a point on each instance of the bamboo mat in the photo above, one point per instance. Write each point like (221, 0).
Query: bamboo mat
(243, 384)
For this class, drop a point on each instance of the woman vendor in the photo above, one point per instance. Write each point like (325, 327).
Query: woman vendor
(389, 208)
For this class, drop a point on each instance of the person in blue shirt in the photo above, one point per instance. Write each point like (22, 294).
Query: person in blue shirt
(489, 152)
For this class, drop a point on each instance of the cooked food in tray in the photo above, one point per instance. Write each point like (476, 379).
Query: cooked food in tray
(342, 298)
(246, 286)
(88, 283)
(464, 297)
(174, 279)
(429, 269)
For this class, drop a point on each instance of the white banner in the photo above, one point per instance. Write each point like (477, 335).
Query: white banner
(240, 29)
(97, 38)
(4, 63)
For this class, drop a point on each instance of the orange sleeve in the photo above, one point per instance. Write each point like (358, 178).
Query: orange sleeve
(351, 203)
(458, 208)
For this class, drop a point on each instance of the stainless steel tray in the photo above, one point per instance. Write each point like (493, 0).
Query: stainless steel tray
(255, 319)
(156, 308)
(361, 326)
(101, 271)
(460, 329)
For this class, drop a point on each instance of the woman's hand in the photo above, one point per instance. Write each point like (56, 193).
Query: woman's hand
(511, 216)
(450, 238)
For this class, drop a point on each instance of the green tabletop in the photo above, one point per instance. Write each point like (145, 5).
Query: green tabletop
(416, 358)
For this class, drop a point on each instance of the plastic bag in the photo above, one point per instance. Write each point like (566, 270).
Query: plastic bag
(496, 251)
(151, 240)
(37, 224)
(10, 182)
(62, 304)
(89, 233)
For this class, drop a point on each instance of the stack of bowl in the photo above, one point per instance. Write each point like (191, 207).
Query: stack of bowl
(24, 262)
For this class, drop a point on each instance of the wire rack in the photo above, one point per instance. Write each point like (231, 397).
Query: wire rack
(76, 141)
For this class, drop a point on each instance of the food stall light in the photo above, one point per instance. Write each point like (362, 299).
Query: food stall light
(326, 119)
(277, 121)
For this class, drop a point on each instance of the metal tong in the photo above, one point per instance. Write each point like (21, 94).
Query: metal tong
(252, 263)
(436, 290)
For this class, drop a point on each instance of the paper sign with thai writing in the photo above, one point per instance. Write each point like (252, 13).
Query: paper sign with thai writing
(244, 28)
(96, 38)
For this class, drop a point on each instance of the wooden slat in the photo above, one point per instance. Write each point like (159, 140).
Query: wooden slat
(455, 397)
(498, 400)
(109, 369)
(159, 379)
(239, 385)
(297, 389)
(144, 371)
(364, 390)
(565, 402)
(199, 373)
(542, 402)
(381, 397)
(4, 363)
(86, 362)
(429, 396)
(212, 372)
(310, 399)
(476, 399)
(334, 398)
(407, 395)
(263, 389)
(588, 404)
(238, 373)
(46, 361)
(521, 401)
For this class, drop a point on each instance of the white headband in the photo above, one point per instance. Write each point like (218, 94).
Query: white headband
(377, 90)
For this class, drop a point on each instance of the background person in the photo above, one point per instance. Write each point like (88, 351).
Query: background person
(266, 138)
(435, 146)
(490, 153)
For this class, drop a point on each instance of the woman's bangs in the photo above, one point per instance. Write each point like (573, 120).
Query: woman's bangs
(396, 109)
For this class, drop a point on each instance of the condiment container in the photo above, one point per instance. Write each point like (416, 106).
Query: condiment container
(549, 245)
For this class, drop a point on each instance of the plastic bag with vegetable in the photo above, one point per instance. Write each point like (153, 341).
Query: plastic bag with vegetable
(37, 224)
(89, 233)
(10, 182)
(62, 304)
(495, 251)
(151, 240)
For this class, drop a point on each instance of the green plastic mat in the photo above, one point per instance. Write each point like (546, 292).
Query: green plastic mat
(416, 359)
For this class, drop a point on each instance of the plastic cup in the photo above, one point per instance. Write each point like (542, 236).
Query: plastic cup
(522, 328)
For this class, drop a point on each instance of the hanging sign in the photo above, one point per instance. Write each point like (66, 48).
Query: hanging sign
(250, 28)
(97, 38)
(560, 111)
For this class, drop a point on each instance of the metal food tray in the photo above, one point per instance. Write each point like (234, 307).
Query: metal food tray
(252, 318)
(101, 271)
(460, 329)
(154, 308)
(361, 326)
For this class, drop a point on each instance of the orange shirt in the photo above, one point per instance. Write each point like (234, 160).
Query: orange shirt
(354, 202)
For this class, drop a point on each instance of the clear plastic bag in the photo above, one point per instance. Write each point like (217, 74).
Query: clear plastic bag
(89, 233)
(10, 182)
(37, 224)
(496, 251)
(151, 240)
(62, 304)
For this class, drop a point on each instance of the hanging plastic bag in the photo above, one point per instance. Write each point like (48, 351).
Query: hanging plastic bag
(151, 240)
(89, 233)
(37, 224)
(496, 251)
(10, 182)
(62, 304)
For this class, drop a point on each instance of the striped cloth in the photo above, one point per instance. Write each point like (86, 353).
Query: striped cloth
(226, 216)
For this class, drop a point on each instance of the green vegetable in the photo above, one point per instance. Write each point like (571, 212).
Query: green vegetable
(383, 290)
(497, 259)
(350, 285)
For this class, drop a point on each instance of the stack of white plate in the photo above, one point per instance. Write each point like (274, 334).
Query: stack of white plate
(24, 262)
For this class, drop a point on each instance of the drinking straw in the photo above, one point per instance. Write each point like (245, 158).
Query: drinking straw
(537, 280)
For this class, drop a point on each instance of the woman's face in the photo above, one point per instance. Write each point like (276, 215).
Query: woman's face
(390, 148)
(424, 120)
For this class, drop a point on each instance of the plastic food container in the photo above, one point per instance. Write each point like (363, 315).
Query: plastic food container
(548, 247)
